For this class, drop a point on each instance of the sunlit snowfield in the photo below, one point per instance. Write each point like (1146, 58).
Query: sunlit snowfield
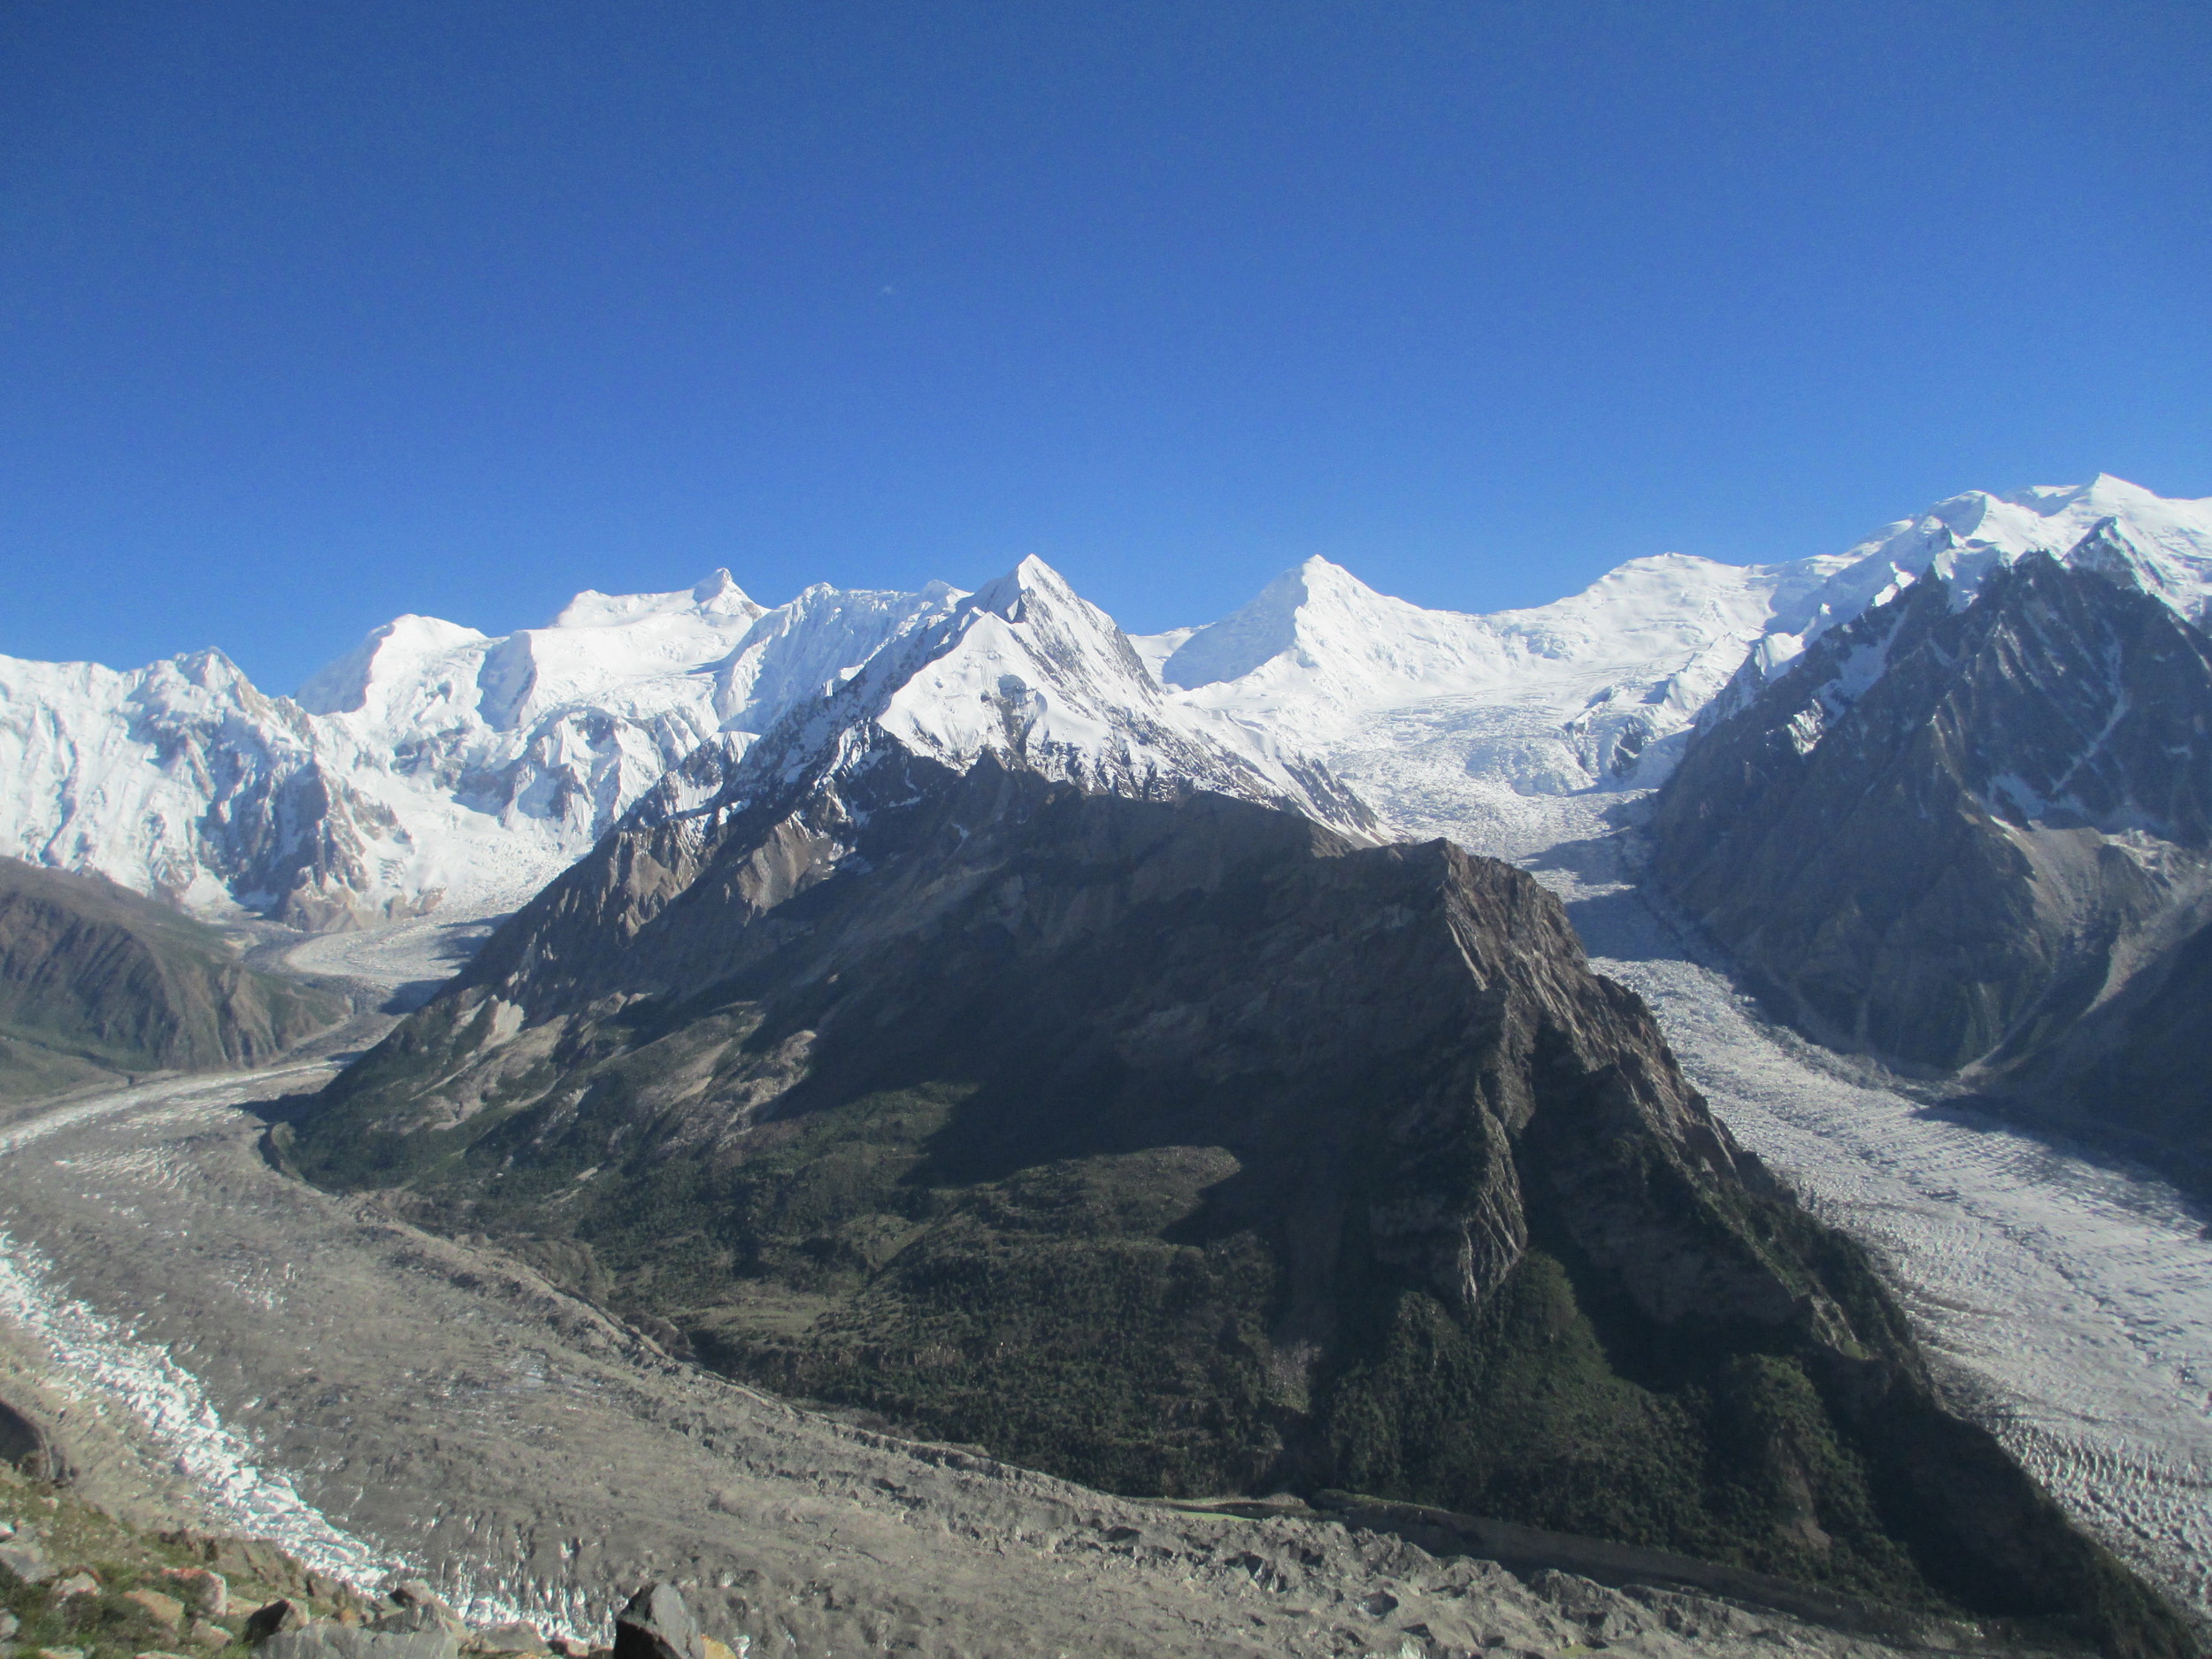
(2072, 1299)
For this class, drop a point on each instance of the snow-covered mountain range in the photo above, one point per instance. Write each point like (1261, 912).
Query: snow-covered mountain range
(436, 765)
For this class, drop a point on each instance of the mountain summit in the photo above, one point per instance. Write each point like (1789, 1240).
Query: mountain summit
(435, 765)
(1184, 1146)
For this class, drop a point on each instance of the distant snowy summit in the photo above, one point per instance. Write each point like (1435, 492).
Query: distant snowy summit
(433, 765)
(1469, 726)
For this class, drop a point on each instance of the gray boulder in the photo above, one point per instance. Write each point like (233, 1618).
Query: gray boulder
(327, 1638)
(657, 1624)
(26, 1560)
(518, 1638)
(414, 1606)
(279, 1616)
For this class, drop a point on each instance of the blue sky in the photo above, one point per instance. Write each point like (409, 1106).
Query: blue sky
(313, 314)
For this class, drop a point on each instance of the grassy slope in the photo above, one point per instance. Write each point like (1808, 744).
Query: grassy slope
(105, 1625)
(1079, 1314)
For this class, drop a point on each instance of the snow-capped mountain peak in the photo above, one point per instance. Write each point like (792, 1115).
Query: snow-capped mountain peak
(1964, 538)
(718, 595)
(431, 762)
(436, 760)
(394, 656)
(1024, 670)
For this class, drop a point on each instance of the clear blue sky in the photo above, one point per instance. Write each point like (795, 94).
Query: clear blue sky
(311, 314)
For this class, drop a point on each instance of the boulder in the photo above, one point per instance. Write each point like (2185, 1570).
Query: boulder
(518, 1638)
(327, 1639)
(78, 1583)
(29, 1447)
(204, 1591)
(208, 1633)
(279, 1616)
(412, 1605)
(163, 1609)
(25, 1561)
(657, 1624)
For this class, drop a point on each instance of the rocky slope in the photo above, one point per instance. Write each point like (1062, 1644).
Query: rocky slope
(1974, 818)
(1181, 1144)
(95, 981)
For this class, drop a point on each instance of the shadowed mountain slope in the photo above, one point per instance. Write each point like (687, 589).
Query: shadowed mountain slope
(1184, 1147)
(94, 979)
(1975, 838)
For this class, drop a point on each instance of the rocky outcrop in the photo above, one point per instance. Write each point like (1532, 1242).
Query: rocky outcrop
(1975, 838)
(29, 1447)
(655, 1624)
(1185, 1146)
(94, 979)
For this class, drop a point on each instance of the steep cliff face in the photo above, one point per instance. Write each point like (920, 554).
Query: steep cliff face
(96, 980)
(1186, 1145)
(1952, 830)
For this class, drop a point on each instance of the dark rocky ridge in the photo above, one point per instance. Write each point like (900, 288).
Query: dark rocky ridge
(1184, 1147)
(1976, 842)
(96, 980)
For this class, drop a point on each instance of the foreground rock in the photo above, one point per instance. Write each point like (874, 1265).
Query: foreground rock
(1187, 1147)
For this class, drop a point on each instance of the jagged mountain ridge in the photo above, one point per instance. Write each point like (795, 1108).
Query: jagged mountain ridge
(431, 762)
(1976, 815)
(435, 765)
(1444, 720)
(434, 761)
(1186, 1145)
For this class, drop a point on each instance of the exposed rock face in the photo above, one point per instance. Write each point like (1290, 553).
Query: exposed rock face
(1184, 1146)
(26, 1445)
(92, 978)
(1951, 831)
(657, 1624)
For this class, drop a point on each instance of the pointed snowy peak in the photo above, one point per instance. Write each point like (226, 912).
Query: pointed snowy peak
(1272, 624)
(720, 591)
(1023, 659)
(402, 649)
(1028, 671)
(1032, 579)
